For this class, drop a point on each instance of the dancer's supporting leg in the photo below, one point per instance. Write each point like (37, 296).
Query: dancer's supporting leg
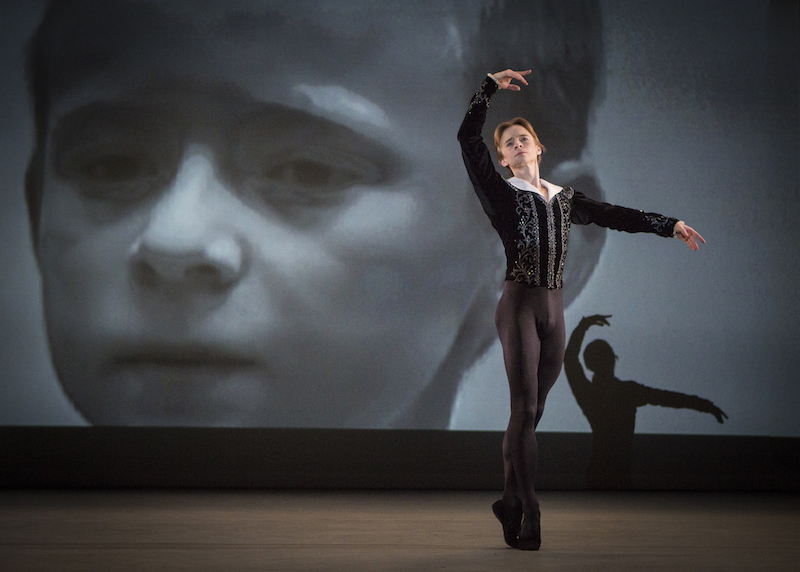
(530, 323)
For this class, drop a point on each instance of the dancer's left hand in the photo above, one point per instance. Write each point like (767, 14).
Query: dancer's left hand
(688, 235)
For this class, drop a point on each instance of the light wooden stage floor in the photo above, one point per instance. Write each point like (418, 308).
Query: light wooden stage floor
(391, 531)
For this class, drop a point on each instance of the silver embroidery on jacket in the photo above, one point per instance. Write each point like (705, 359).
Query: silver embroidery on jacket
(526, 267)
(565, 204)
(551, 245)
(657, 222)
(480, 98)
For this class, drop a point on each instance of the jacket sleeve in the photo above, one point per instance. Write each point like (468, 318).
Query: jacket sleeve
(484, 177)
(589, 211)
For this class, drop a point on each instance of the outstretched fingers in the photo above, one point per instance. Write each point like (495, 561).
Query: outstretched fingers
(506, 77)
(688, 235)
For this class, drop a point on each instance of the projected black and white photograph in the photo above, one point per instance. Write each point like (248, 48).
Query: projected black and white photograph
(256, 214)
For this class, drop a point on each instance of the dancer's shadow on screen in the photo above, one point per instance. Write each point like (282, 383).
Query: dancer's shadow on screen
(610, 405)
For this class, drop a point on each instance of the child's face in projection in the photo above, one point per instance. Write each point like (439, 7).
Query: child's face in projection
(259, 230)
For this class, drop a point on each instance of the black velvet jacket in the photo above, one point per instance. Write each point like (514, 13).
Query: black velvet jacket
(535, 232)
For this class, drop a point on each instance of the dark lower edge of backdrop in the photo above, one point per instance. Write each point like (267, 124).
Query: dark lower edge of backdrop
(144, 457)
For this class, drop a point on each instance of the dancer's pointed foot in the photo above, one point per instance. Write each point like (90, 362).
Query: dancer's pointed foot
(510, 516)
(530, 535)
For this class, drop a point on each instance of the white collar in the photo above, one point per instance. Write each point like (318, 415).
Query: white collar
(523, 185)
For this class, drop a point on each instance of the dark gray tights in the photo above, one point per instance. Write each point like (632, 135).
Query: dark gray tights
(530, 323)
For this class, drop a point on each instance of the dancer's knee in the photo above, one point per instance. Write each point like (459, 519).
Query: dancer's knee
(524, 414)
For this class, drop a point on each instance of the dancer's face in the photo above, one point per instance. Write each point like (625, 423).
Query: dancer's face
(518, 147)
(256, 223)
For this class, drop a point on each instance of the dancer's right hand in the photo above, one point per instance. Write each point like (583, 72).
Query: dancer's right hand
(505, 77)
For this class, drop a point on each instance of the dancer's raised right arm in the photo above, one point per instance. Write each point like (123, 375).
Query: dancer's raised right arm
(477, 158)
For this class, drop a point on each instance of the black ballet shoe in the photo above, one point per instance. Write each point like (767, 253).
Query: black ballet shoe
(530, 535)
(510, 516)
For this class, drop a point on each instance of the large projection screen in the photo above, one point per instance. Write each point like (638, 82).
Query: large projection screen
(255, 213)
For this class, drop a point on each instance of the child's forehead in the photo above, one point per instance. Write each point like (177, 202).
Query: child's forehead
(73, 18)
(237, 38)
